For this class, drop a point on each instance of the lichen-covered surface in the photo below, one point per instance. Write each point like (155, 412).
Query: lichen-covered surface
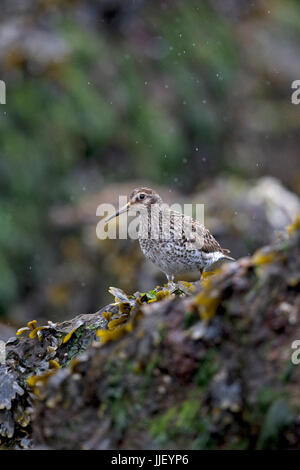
(198, 366)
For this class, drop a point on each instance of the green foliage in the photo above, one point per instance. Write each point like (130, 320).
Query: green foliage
(207, 369)
(181, 421)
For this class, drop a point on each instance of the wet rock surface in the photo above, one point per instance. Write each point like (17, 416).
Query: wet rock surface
(194, 365)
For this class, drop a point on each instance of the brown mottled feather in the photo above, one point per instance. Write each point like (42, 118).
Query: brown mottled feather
(210, 244)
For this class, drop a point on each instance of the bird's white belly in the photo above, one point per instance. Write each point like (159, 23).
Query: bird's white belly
(174, 258)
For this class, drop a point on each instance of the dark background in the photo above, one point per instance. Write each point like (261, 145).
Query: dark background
(193, 98)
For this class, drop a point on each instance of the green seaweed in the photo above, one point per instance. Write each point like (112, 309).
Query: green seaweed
(207, 368)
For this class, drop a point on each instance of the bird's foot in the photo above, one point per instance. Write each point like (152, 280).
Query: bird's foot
(172, 286)
(171, 283)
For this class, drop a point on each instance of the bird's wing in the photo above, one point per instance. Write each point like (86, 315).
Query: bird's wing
(197, 234)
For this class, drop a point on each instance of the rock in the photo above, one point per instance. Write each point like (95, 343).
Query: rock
(244, 216)
(138, 374)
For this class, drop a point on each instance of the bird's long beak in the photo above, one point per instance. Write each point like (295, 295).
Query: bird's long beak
(120, 211)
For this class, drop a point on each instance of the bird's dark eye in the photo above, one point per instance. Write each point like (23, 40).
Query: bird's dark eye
(142, 196)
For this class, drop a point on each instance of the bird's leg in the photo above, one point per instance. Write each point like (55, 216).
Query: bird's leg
(171, 282)
(201, 272)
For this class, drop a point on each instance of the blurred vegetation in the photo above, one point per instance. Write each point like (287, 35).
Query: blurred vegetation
(175, 92)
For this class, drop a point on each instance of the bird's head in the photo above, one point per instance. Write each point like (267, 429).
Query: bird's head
(139, 199)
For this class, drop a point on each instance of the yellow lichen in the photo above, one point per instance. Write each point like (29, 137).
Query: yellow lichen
(129, 327)
(116, 333)
(118, 321)
(189, 285)
(36, 331)
(294, 226)
(107, 315)
(207, 274)
(70, 334)
(22, 330)
(207, 303)
(32, 324)
(260, 258)
(36, 381)
(124, 307)
(110, 335)
(54, 364)
(208, 299)
(162, 294)
(42, 378)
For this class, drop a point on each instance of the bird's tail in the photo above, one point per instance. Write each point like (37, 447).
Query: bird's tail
(225, 252)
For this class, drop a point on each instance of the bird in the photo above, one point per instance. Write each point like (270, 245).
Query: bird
(174, 242)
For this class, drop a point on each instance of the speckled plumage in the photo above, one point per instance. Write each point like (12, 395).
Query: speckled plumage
(175, 243)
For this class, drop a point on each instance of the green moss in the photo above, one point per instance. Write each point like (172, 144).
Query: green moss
(93, 327)
(183, 423)
(116, 402)
(148, 373)
(190, 318)
(207, 369)
(79, 343)
(266, 396)
(162, 427)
